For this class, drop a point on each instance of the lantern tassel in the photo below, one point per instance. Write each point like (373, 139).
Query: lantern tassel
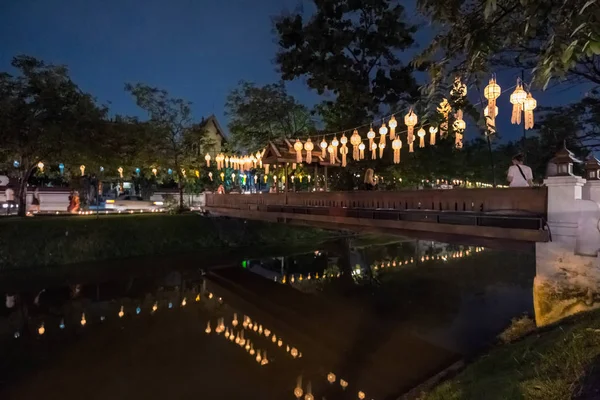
(422, 142)
(373, 151)
(344, 152)
(410, 146)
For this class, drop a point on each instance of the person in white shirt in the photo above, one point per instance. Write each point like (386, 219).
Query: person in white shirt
(519, 174)
(10, 198)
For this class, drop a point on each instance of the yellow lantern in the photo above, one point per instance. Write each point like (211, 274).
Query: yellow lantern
(491, 92)
(41, 166)
(309, 147)
(82, 169)
(298, 146)
(361, 150)
(83, 320)
(411, 120)
(331, 151)
(459, 89)
(197, 173)
(344, 149)
(233, 177)
(393, 124)
(41, 329)
(331, 377)
(361, 395)
(371, 136)
(373, 151)
(208, 330)
(421, 135)
(323, 148)
(355, 140)
(381, 147)
(444, 109)
(528, 106)
(121, 312)
(397, 146)
(383, 130)
(207, 158)
(517, 98)
(432, 131)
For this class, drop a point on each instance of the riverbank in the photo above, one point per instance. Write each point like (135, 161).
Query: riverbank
(561, 361)
(44, 242)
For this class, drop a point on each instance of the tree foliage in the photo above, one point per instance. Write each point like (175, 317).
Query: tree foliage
(350, 49)
(555, 38)
(262, 113)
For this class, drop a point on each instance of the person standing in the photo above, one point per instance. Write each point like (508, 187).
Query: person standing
(519, 174)
(370, 179)
(35, 200)
(10, 198)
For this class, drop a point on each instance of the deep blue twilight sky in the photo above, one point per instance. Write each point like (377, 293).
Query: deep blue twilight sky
(197, 50)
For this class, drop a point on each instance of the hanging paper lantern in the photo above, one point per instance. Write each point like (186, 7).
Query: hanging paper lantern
(393, 124)
(331, 151)
(266, 168)
(361, 151)
(197, 173)
(309, 147)
(207, 158)
(459, 127)
(381, 147)
(383, 130)
(265, 178)
(371, 136)
(411, 148)
(82, 169)
(528, 106)
(355, 140)
(323, 148)
(298, 146)
(421, 135)
(344, 149)
(61, 167)
(459, 89)
(226, 161)
(491, 92)
(210, 175)
(373, 151)
(397, 146)
(432, 131)
(233, 177)
(222, 175)
(444, 109)
(335, 143)
(154, 171)
(41, 166)
(411, 120)
(294, 165)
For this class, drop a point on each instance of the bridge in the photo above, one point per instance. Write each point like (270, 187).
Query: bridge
(515, 214)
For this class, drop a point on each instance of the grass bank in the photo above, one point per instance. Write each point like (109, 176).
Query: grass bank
(41, 242)
(555, 363)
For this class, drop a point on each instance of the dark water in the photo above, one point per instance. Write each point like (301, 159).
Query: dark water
(382, 318)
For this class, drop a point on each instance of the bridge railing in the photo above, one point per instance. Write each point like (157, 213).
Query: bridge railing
(511, 200)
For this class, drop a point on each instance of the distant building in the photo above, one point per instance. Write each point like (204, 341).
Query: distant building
(215, 136)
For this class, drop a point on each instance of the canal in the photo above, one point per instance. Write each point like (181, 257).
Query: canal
(354, 318)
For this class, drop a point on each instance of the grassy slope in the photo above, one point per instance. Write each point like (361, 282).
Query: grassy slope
(50, 241)
(558, 362)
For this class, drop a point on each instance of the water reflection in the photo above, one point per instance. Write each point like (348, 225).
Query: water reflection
(350, 320)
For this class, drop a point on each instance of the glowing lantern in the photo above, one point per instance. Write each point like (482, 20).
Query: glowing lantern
(120, 169)
(397, 146)
(355, 141)
(421, 135)
(267, 332)
(298, 392)
(255, 328)
(251, 349)
(280, 342)
(258, 357)
(323, 148)
(207, 158)
(373, 151)
(183, 172)
(361, 395)
(331, 377)
(309, 147)
(298, 148)
(247, 347)
(154, 307)
(344, 149)
(393, 124)
(83, 320)
(121, 312)
(197, 173)
(41, 166)
(383, 130)
(381, 147)
(260, 329)
(343, 384)
(411, 120)
(371, 136)
(294, 352)
(265, 360)
(444, 109)
(517, 98)
(154, 171)
(432, 131)
(274, 338)
(233, 177)
(208, 330)
(82, 169)
(528, 106)
(491, 92)
(41, 329)
(459, 127)
(226, 161)
(331, 151)
(265, 178)
(459, 89)
(237, 338)
(222, 175)
(210, 176)
(361, 149)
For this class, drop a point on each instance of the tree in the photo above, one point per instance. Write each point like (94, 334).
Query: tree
(349, 48)
(262, 113)
(171, 136)
(556, 39)
(45, 118)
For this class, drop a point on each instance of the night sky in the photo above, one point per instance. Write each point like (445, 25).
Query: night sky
(197, 50)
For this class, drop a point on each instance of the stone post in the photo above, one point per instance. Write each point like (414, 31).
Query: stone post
(568, 268)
